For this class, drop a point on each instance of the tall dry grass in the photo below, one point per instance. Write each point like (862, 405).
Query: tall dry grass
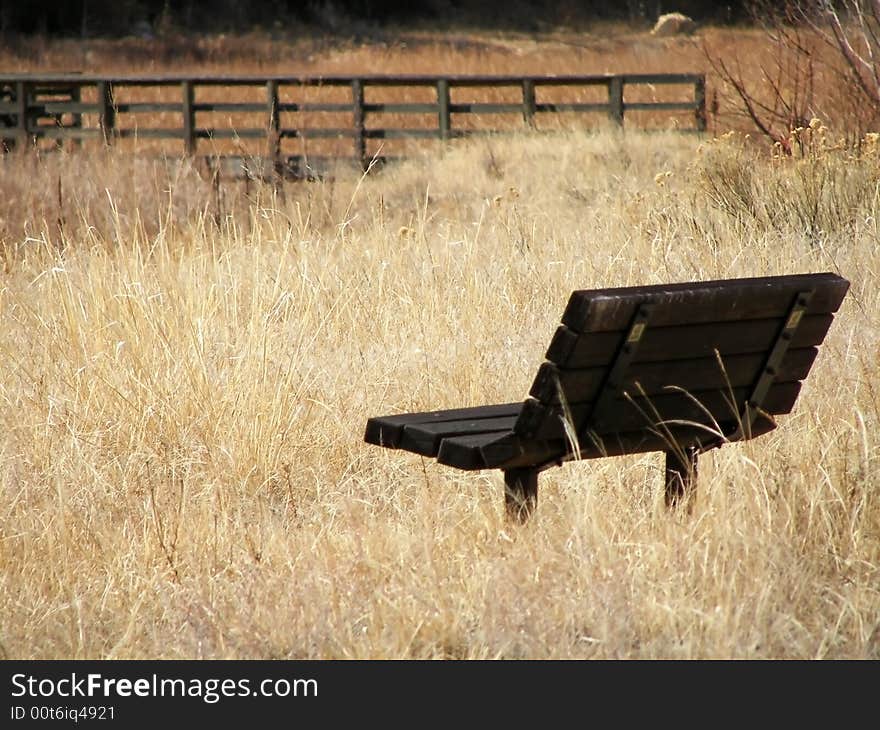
(186, 375)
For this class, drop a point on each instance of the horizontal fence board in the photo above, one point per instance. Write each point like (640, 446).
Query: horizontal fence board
(142, 107)
(402, 133)
(229, 133)
(229, 106)
(661, 78)
(316, 133)
(573, 107)
(660, 105)
(401, 108)
(148, 133)
(310, 107)
(481, 108)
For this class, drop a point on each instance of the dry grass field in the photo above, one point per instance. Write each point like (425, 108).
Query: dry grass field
(186, 372)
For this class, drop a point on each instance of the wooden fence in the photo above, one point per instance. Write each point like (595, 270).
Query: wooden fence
(337, 116)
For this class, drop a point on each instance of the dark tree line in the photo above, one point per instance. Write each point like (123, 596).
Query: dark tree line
(122, 17)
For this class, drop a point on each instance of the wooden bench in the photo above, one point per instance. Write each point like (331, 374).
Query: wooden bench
(678, 368)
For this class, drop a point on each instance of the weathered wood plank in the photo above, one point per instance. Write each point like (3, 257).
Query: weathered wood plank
(464, 452)
(187, 91)
(22, 122)
(604, 310)
(314, 133)
(540, 421)
(571, 350)
(402, 133)
(697, 375)
(615, 99)
(325, 108)
(573, 107)
(107, 116)
(444, 121)
(425, 438)
(229, 133)
(148, 133)
(654, 79)
(273, 117)
(660, 106)
(700, 104)
(401, 108)
(148, 107)
(387, 430)
(357, 116)
(491, 451)
(484, 108)
(528, 102)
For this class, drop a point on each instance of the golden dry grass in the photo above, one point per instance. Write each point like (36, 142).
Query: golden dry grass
(186, 375)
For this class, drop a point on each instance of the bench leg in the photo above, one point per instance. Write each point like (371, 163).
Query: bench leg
(681, 475)
(520, 493)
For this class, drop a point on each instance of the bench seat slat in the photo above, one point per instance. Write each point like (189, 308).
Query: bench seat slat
(603, 310)
(490, 451)
(464, 452)
(425, 438)
(541, 421)
(387, 430)
(583, 384)
(571, 350)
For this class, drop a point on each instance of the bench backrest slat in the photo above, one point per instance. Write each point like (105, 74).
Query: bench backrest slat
(571, 350)
(652, 378)
(722, 300)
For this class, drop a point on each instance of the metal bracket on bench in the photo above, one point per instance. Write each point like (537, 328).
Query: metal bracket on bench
(780, 347)
(625, 354)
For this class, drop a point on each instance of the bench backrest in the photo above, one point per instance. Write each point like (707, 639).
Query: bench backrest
(632, 367)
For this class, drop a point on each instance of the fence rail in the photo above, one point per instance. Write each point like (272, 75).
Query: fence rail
(355, 110)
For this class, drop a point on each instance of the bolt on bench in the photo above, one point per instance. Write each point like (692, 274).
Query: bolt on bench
(678, 368)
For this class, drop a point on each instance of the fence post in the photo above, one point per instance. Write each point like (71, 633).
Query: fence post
(21, 114)
(360, 140)
(107, 112)
(274, 132)
(189, 135)
(700, 102)
(615, 99)
(76, 118)
(528, 92)
(443, 115)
